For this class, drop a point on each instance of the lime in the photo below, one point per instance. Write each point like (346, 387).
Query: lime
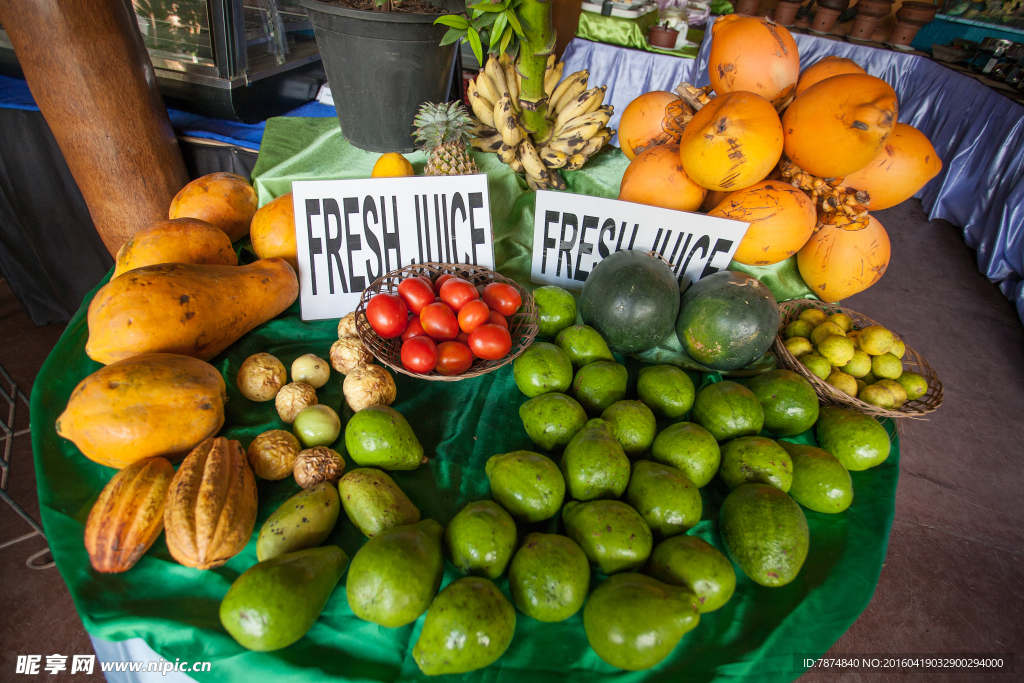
(875, 340)
(824, 330)
(898, 348)
(583, 344)
(799, 328)
(843, 382)
(854, 336)
(914, 384)
(859, 365)
(799, 346)
(842, 320)
(886, 366)
(813, 316)
(556, 310)
(877, 395)
(598, 385)
(860, 385)
(899, 394)
(690, 448)
(317, 425)
(836, 350)
(818, 365)
(542, 368)
(869, 378)
(666, 390)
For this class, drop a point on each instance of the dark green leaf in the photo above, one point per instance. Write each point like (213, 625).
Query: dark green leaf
(453, 20)
(453, 35)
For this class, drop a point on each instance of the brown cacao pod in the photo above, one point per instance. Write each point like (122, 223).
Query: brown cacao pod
(128, 516)
(211, 505)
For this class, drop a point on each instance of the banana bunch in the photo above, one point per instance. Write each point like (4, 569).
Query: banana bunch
(578, 118)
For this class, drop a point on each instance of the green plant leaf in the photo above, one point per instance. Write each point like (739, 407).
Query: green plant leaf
(506, 38)
(474, 42)
(485, 20)
(514, 23)
(453, 20)
(488, 7)
(496, 31)
(453, 35)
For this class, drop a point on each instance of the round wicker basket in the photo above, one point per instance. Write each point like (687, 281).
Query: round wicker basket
(522, 325)
(829, 395)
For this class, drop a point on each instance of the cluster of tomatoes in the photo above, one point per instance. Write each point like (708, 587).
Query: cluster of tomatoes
(452, 322)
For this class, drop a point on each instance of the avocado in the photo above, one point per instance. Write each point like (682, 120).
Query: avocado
(613, 535)
(528, 485)
(549, 577)
(633, 424)
(765, 532)
(689, 448)
(373, 501)
(552, 419)
(692, 562)
(594, 464)
(542, 368)
(666, 390)
(395, 575)
(379, 436)
(481, 539)
(634, 621)
(857, 440)
(820, 482)
(468, 626)
(665, 497)
(755, 459)
(583, 344)
(303, 521)
(275, 602)
(598, 385)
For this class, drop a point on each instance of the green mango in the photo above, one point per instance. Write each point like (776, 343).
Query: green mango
(692, 562)
(468, 626)
(689, 448)
(303, 521)
(633, 424)
(598, 385)
(373, 501)
(543, 367)
(556, 310)
(633, 621)
(551, 420)
(594, 464)
(666, 390)
(528, 485)
(549, 577)
(820, 482)
(379, 436)
(613, 535)
(395, 575)
(481, 539)
(755, 459)
(665, 497)
(857, 440)
(765, 532)
(274, 603)
(583, 344)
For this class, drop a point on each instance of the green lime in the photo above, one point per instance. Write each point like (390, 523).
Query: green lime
(899, 394)
(860, 385)
(799, 328)
(877, 395)
(583, 344)
(598, 385)
(813, 315)
(633, 424)
(836, 349)
(666, 390)
(841, 319)
(690, 448)
(843, 382)
(886, 366)
(817, 365)
(317, 425)
(542, 368)
(854, 336)
(914, 384)
(798, 346)
(898, 348)
(870, 378)
(556, 310)
(826, 329)
(875, 340)
(859, 365)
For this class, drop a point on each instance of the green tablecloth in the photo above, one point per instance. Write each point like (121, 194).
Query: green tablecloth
(755, 637)
(631, 33)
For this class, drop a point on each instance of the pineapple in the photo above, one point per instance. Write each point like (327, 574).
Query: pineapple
(444, 130)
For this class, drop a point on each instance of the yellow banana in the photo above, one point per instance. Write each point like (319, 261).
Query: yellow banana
(535, 183)
(577, 83)
(568, 146)
(491, 143)
(552, 158)
(508, 67)
(551, 78)
(506, 153)
(493, 69)
(485, 86)
(584, 103)
(507, 121)
(479, 130)
(575, 162)
(480, 107)
(586, 121)
(593, 145)
(532, 161)
(556, 181)
(516, 165)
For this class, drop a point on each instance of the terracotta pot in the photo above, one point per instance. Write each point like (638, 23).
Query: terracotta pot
(909, 20)
(748, 7)
(664, 38)
(785, 12)
(838, 5)
(869, 13)
(824, 19)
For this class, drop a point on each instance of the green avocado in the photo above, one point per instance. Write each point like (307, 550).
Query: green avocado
(481, 539)
(820, 482)
(551, 420)
(613, 535)
(689, 448)
(543, 367)
(549, 577)
(303, 521)
(665, 497)
(728, 410)
(468, 626)
(594, 464)
(583, 344)
(765, 532)
(528, 485)
(373, 501)
(395, 575)
(633, 424)
(857, 440)
(692, 562)
(666, 390)
(379, 436)
(755, 459)
(556, 310)
(634, 621)
(789, 401)
(275, 602)
(598, 385)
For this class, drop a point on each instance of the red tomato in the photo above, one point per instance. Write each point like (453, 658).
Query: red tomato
(439, 322)
(491, 342)
(503, 298)
(457, 292)
(419, 354)
(387, 315)
(453, 358)
(413, 329)
(415, 293)
(463, 338)
(429, 282)
(473, 315)
(441, 279)
(496, 318)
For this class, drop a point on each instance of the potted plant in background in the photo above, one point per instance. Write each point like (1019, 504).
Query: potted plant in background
(663, 35)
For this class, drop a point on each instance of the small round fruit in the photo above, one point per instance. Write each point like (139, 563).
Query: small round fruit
(915, 385)
(666, 390)
(473, 315)
(789, 401)
(877, 395)
(543, 367)
(481, 539)
(441, 279)
(496, 318)
(860, 385)
(388, 315)
(502, 297)
(859, 365)
(875, 340)
(898, 348)
(633, 425)
(798, 346)
(348, 353)
(886, 366)
(817, 365)
(689, 448)
(261, 377)
(416, 293)
(439, 322)
(272, 231)
(347, 325)
(843, 382)
(825, 330)
(457, 292)
(318, 464)
(814, 316)
(391, 165)
(490, 342)
(312, 370)
(836, 350)
(369, 385)
(272, 454)
(549, 577)
(556, 310)
(854, 336)
(899, 394)
(844, 321)
(799, 328)
(453, 358)
(419, 354)
(316, 426)
(414, 329)
(463, 338)
(293, 399)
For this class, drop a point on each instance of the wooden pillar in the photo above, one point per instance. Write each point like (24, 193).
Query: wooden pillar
(91, 76)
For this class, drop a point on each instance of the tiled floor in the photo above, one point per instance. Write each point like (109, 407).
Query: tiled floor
(954, 578)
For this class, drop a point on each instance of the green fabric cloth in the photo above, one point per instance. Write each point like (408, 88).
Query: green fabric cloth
(755, 637)
(631, 33)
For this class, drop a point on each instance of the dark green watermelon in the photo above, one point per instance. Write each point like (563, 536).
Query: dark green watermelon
(789, 401)
(727, 320)
(631, 299)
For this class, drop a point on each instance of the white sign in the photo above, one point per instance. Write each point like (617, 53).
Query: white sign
(351, 232)
(572, 233)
